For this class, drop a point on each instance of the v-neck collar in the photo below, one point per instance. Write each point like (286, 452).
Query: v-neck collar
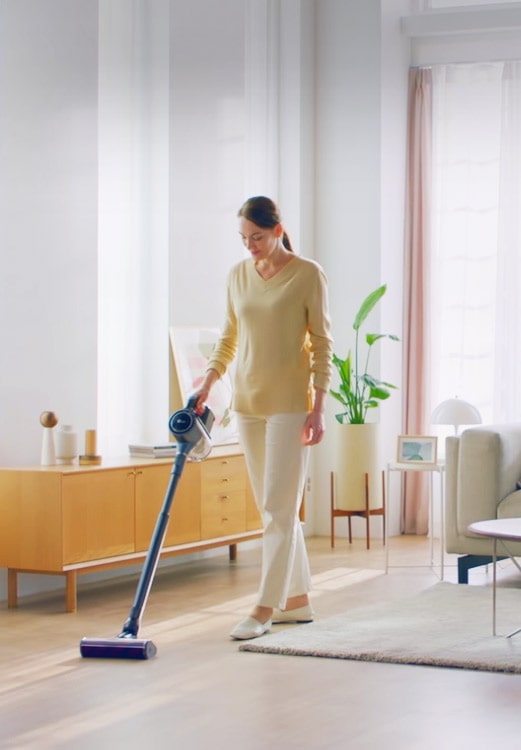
(280, 272)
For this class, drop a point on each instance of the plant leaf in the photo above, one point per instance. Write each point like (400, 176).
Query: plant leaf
(367, 305)
(380, 393)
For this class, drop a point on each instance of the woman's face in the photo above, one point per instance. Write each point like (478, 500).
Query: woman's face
(261, 242)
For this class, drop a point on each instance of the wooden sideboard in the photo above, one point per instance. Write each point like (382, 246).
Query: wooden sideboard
(67, 520)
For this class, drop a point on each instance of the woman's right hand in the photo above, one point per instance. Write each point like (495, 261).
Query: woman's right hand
(203, 392)
(201, 396)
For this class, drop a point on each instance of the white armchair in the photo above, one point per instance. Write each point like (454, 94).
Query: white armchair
(483, 472)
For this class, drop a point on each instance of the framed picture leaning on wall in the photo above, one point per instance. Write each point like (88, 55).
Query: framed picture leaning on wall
(414, 449)
(191, 350)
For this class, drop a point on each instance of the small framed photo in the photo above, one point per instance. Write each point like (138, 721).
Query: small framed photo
(417, 449)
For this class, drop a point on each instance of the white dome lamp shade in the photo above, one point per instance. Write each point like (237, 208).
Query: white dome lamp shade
(457, 412)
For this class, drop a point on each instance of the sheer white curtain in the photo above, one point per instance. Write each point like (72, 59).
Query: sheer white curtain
(476, 237)
(133, 230)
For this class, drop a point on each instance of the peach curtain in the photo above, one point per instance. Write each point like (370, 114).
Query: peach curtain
(415, 486)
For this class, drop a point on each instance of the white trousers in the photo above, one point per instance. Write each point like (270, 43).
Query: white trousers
(277, 465)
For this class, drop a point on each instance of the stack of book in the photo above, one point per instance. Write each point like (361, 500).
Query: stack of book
(148, 450)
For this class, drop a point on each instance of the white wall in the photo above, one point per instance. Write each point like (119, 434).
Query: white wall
(347, 209)
(207, 153)
(133, 222)
(48, 219)
(361, 82)
(395, 64)
(241, 124)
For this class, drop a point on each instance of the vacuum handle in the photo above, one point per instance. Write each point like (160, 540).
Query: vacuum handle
(192, 401)
(206, 416)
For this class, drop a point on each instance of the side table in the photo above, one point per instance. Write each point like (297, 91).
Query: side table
(439, 469)
(499, 530)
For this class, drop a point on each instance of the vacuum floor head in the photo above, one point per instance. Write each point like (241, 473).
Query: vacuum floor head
(117, 648)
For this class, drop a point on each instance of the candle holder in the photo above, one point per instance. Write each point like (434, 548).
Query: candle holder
(90, 458)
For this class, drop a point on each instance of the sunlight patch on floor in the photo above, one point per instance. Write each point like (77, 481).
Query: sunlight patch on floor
(328, 580)
(339, 578)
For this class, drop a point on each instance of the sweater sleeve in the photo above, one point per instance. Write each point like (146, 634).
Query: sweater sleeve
(319, 333)
(226, 347)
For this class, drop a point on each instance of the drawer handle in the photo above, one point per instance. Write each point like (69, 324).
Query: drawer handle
(224, 497)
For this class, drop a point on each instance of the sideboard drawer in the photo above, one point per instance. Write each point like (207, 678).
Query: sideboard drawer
(222, 513)
(224, 475)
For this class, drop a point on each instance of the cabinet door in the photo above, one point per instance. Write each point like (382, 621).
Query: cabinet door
(30, 520)
(98, 514)
(185, 512)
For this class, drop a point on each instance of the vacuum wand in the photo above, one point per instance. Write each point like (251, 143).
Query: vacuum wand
(131, 626)
(192, 432)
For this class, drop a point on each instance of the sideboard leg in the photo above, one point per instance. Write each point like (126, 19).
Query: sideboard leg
(12, 587)
(70, 591)
(233, 552)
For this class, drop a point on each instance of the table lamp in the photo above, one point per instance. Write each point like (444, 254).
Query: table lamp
(457, 412)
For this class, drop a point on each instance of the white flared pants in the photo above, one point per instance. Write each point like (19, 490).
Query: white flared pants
(277, 465)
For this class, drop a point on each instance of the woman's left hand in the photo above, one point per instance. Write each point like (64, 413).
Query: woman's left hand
(314, 427)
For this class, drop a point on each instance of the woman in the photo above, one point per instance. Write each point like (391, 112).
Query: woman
(277, 323)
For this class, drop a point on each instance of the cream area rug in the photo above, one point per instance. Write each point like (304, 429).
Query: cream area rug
(447, 625)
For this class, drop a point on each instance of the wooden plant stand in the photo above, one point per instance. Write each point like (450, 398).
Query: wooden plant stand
(365, 512)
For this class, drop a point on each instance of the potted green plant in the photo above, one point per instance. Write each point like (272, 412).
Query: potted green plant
(358, 390)
(358, 489)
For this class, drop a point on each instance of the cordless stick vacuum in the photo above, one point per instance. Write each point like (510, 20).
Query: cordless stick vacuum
(192, 432)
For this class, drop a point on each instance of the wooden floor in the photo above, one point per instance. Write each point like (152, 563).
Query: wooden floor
(201, 692)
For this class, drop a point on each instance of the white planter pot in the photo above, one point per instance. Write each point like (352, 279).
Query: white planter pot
(357, 455)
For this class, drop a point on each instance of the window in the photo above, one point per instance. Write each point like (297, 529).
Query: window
(476, 237)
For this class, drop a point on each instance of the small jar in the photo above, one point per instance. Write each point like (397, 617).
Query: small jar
(66, 444)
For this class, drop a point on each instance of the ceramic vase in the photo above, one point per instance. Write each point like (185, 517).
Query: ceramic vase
(48, 454)
(66, 444)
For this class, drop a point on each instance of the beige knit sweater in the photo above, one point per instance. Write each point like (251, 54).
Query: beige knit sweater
(279, 329)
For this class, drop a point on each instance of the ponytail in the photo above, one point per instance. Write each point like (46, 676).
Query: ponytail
(286, 242)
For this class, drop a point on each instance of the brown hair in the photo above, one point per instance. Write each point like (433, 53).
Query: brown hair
(264, 213)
